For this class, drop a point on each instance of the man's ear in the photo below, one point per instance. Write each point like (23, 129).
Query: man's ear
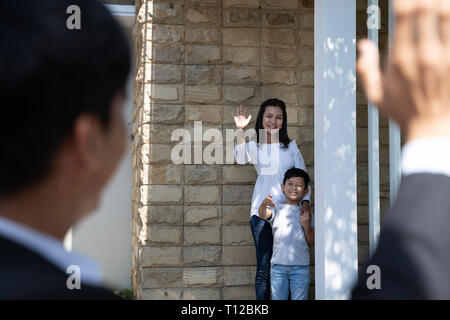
(87, 141)
(306, 190)
(282, 187)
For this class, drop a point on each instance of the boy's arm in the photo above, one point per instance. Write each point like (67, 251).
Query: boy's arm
(305, 221)
(263, 211)
(309, 234)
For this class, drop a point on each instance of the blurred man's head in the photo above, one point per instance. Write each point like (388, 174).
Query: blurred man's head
(62, 94)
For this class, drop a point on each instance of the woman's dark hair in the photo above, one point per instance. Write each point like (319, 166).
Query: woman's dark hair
(50, 75)
(284, 138)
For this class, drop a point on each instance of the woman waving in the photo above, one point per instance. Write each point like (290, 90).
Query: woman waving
(272, 155)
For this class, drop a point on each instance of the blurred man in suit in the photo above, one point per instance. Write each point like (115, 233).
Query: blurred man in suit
(62, 135)
(413, 253)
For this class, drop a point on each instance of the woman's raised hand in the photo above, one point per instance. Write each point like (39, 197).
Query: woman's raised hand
(240, 118)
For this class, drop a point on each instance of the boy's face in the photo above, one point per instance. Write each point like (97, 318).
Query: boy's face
(294, 189)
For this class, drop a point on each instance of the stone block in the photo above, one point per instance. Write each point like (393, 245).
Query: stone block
(279, 4)
(173, 93)
(236, 194)
(161, 278)
(203, 16)
(306, 37)
(157, 133)
(202, 35)
(161, 294)
(202, 215)
(283, 57)
(306, 55)
(288, 94)
(249, 56)
(241, 17)
(165, 194)
(238, 256)
(246, 95)
(239, 174)
(164, 53)
(243, 37)
(278, 76)
(202, 194)
(239, 276)
(306, 96)
(307, 78)
(202, 294)
(163, 73)
(167, 13)
(292, 115)
(163, 113)
(161, 256)
(363, 234)
(307, 150)
(237, 235)
(159, 33)
(203, 94)
(202, 256)
(306, 134)
(307, 4)
(165, 174)
(202, 277)
(236, 215)
(239, 293)
(203, 2)
(159, 235)
(168, 215)
(280, 38)
(280, 18)
(203, 54)
(203, 74)
(363, 253)
(202, 174)
(155, 153)
(307, 20)
(306, 116)
(202, 236)
(204, 113)
(241, 3)
(241, 75)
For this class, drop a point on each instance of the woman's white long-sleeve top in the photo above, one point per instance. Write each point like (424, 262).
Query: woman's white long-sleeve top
(271, 161)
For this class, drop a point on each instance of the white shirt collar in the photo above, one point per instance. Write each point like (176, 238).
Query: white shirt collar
(51, 249)
(426, 155)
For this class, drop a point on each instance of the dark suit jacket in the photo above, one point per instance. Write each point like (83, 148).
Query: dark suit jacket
(27, 275)
(413, 251)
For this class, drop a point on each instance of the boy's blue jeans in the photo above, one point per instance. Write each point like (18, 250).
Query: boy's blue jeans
(283, 278)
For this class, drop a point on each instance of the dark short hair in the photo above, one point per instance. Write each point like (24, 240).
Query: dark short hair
(49, 76)
(296, 172)
(283, 133)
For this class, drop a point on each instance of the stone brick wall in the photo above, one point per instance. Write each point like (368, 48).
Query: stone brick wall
(362, 136)
(197, 60)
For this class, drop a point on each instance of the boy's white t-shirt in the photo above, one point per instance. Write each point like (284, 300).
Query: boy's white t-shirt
(289, 241)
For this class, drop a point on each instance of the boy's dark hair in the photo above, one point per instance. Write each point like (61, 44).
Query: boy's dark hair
(296, 172)
(283, 133)
(49, 76)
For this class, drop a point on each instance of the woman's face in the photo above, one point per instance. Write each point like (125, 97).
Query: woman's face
(272, 119)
